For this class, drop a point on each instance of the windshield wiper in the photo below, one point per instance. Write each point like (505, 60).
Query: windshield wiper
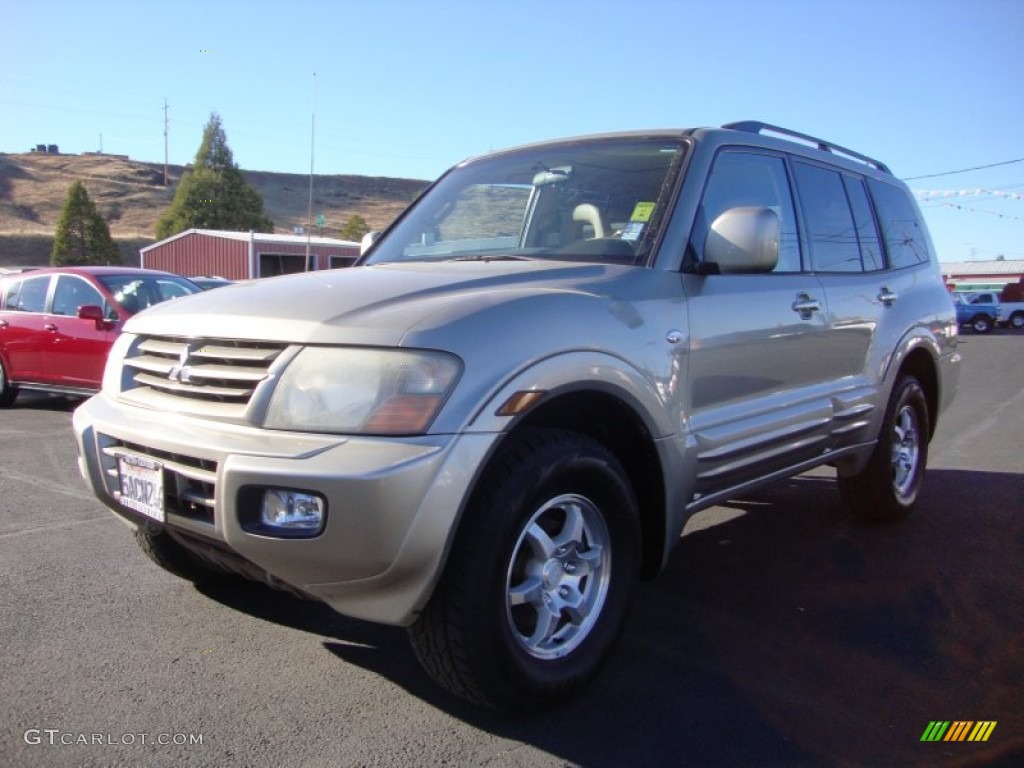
(490, 257)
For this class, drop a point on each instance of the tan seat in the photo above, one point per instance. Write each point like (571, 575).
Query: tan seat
(588, 213)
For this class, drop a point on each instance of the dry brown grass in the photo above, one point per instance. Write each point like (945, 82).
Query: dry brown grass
(131, 197)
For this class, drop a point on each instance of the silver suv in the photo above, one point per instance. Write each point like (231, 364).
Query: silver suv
(504, 415)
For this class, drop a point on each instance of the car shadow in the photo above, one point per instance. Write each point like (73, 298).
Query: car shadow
(42, 401)
(786, 635)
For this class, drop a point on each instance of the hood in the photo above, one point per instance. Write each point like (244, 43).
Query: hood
(373, 305)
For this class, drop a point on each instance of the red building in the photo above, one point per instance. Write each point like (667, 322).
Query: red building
(982, 275)
(245, 255)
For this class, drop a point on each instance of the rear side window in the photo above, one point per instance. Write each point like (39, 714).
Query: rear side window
(867, 233)
(831, 231)
(28, 295)
(9, 294)
(904, 235)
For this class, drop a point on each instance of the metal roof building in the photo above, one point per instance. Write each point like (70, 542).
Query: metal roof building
(982, 275)
(245, 255)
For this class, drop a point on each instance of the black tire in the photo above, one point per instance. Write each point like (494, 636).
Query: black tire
(981, 323)
(887, 488)
(174, 558)
(8, 392)
(537, 585)
(1017, 320)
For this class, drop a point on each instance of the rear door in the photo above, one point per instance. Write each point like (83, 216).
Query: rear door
(845, 252)
(871, 253)
(23, 336)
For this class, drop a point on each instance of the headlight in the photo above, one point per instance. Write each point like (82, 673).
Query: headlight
(362, 391)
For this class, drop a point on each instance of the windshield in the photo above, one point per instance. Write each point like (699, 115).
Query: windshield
(137, 292)
(595, 200)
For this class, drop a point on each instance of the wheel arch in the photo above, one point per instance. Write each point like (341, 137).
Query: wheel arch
(611, 421)
(920, 363)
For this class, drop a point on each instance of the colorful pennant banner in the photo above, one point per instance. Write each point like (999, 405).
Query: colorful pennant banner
(932, 194)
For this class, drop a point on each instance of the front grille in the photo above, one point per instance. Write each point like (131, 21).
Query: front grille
(198, 371)
(189, 483)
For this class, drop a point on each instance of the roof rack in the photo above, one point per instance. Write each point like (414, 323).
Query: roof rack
(755, 126)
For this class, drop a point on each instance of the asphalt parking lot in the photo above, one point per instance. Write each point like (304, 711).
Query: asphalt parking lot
(782, 633)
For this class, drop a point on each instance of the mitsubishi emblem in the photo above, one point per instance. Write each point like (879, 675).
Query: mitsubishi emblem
(182, 372)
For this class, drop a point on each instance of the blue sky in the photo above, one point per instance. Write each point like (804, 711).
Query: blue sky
(406, 88)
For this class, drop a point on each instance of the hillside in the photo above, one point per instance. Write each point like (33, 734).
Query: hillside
(131, 197)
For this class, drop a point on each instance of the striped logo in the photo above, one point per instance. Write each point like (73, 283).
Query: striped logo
(958, 730)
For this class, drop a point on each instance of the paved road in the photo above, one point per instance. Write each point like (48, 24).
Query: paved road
(781, 634)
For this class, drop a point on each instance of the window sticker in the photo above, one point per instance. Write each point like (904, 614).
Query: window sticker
(642, 212)
(632, 231)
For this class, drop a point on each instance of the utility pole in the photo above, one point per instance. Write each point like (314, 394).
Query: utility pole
(312, 137)
(165, 141)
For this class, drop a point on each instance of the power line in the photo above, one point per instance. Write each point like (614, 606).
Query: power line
(978, 210)
(964, 170)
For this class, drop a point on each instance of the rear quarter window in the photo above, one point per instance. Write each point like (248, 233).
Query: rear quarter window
(902, 230)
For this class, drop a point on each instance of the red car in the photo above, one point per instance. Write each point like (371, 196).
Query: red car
(58, 324)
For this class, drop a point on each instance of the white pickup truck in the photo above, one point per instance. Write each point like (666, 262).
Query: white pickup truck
(1011, 313)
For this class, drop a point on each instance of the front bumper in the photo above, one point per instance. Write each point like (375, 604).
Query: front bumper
(392, 504)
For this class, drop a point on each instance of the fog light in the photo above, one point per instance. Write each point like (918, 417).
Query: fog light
(292, 512)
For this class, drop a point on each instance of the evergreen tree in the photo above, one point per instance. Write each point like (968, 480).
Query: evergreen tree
(214, 194)
(354, 228)
(82, 236)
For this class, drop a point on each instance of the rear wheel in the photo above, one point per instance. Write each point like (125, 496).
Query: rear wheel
(887, 488)
(1017, 320)
(8, 392)
(538, 581)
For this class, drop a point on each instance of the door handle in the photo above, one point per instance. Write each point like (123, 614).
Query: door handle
(805, 306)
(49, 327)
(887, 297)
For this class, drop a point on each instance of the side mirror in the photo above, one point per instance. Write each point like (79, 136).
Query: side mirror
(95, 313)
(743, 240)
(367, 242)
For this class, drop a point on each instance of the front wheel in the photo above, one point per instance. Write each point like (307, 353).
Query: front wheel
(981, 323)
(538, 581)
(163, 550)
(887, 488)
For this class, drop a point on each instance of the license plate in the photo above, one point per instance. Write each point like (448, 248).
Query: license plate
(142, 485)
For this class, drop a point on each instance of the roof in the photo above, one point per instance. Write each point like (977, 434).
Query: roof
(257, 237)
(1007, 267)
(86, 269)
(751, 132)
